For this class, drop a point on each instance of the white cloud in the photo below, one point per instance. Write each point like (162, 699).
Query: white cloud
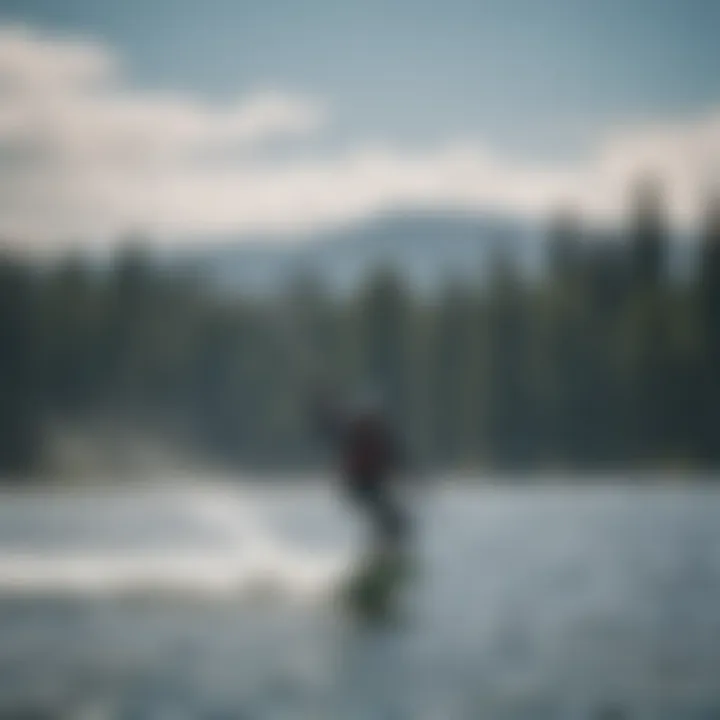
(30, 61)
(86, 157)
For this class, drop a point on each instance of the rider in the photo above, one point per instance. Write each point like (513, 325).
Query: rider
(370, 456)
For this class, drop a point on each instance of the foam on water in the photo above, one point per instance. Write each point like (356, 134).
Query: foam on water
(245, 559)
(162, 575)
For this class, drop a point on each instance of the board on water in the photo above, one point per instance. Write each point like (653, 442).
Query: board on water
(375, 591)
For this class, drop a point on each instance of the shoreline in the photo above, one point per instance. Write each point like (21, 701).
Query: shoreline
(199, 479)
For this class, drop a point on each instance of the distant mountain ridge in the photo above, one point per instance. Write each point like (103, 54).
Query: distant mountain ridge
(425, 248)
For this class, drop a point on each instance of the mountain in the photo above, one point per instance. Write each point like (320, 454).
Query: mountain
(425, 248)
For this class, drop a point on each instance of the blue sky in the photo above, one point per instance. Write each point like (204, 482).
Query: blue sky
(537, 81)
(524, 73)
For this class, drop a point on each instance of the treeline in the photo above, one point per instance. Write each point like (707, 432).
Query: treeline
(609, 358)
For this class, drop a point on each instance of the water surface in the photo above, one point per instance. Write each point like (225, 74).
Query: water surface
(219, 601)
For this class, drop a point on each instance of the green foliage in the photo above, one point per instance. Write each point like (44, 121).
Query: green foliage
(605, 360)
(19, 406)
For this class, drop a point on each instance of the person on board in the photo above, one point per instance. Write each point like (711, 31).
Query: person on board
(371, 459)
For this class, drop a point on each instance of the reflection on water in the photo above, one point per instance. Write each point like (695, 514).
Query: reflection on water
(219, 603)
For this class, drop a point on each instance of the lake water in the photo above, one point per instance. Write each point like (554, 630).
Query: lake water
(219, 601)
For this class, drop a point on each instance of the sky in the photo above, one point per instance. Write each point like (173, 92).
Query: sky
(187, 120)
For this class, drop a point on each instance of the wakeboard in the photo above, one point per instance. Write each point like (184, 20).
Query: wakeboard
(374, 592)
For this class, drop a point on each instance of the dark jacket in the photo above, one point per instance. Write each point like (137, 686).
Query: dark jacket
(368, 451)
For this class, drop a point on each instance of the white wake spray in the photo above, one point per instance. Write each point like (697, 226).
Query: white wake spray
(245, 560)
